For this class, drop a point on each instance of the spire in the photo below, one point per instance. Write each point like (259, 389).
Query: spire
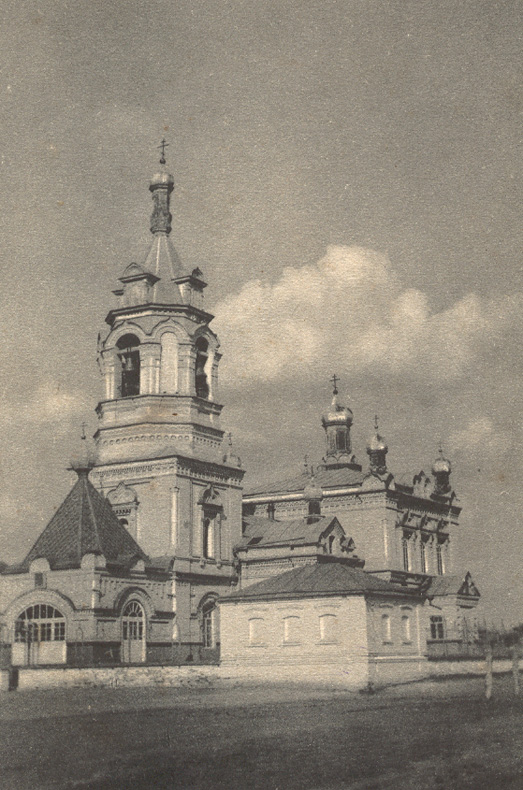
(163, 260)
(377, 451)
(162, 184)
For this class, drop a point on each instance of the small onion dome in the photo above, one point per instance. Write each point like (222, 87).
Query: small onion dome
(441, 465)
(377, 444)
(337, 414)
(162, 178)
(312, 491)
(83, 457)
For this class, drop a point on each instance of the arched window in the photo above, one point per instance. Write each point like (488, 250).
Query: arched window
(423, 557)
(39, 636)
(209, 624)
(208, 542)
(330, 544)
(439, 558)
(40, 623)
(169, 363)
(201, 383)
(341, 439)
(405, 552)
(133, 633)
(129, 356)
(328, 630)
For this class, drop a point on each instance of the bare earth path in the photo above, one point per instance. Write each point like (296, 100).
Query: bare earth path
(429, 735)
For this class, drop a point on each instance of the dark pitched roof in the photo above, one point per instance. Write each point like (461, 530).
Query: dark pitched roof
(452, 585)
(266, 532)
(83, 524)
(328, 576)
(324, 478)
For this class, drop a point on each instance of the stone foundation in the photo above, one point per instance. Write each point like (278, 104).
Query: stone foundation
(354, 675)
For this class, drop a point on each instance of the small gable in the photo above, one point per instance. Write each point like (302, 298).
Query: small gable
(468, 588)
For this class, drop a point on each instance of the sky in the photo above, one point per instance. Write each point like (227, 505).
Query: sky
(348, 178)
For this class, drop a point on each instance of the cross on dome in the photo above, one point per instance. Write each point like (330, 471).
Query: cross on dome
(334, 381)
(163, 145)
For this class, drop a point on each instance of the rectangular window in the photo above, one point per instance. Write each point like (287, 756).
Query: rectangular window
(423, 554)
(291, 627)
(437, 627)
(256, 631)
(40, 580)
(46, 632)
(59, 632)
(405, 549)
(20, 631)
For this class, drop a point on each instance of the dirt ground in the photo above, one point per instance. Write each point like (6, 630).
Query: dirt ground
(422, 736)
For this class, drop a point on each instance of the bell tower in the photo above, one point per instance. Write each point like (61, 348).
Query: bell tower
(160, 448)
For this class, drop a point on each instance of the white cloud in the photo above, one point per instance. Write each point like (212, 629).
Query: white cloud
(349, 312)
(49, 402)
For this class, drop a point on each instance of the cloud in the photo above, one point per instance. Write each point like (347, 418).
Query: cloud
(49, 402)
(350, 312)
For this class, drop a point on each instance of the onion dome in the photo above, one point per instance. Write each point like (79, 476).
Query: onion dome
(337, 414)
(230, 456)
(441, 469)
(377, 451)
(441, 465)
(312, 491)
(162, 178)
(83, 457)
(337, 423)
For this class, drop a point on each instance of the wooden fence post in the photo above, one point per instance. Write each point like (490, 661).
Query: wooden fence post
(515, 667)
(488, 674)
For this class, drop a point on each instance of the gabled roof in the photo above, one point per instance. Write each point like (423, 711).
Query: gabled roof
(267, 532)
(84, 524)
(328, 576)
(452, 585)
(338, 477)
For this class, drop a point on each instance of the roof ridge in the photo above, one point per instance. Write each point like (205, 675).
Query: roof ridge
(93, 515)
(80, 519)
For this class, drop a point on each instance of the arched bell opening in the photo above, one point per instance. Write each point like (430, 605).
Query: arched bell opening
(202, 358)
(129, 358)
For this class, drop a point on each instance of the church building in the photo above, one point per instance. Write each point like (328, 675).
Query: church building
(156, 543)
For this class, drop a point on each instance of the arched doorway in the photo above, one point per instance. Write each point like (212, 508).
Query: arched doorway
(39, 637)
(133, 633)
